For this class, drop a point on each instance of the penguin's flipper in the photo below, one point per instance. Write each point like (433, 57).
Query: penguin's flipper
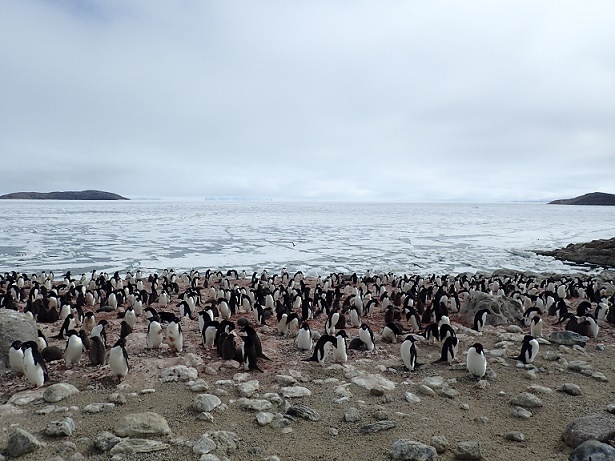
(263, 356)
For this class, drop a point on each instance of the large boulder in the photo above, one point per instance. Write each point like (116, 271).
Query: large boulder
(15, 326)
(504, 311)
(591, 427)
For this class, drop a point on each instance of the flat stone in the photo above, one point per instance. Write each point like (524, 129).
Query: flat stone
(579, 365)
(600, 377)
(539, 389)
(593, 450)
(64, 427)
(370, 381)
(59, 391)
(226, 441)
(179, 373)
(199, 386)
(21, 442)
(410, 450)
(597, 427)
(527, 400)
(567, 338)
(254, 404)
(105, 441)
(263, 418)
(412, 398)
(248, 389)
(134, 445)
(468, 450)
(142, 425)
(449, 392)
(98, 407)
(425, 390)
(279, 421)
(378, 426)
(295, 391)
(515, 436)
(434, 382)
(550, 356)
(209, 457)
(351, 415)
(521, 413)
(440, 443)
(117, 399)
(206, 402)
(286, 380)
(303, 411)
(204, 445)
(570, 389)
(611, 408)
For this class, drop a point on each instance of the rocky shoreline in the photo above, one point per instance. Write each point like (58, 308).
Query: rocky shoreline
(595, 253)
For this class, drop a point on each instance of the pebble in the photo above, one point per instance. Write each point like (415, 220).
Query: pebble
(179, 373)
(199, 386)
(206, 402)
(59, 391)
(600, 377)
(21, 442)
(515, 436)
(64, 427)
(527, 400)
(303, 411)
(378, 426)
(412, 398)
(263, 418)
(570, 389)
(98, 407)
(248, 389)
(254, 404)
(440, 443)
(539, 389)
(203, 445)
(106, 440)
(205, 416)
(410, 450)
(131, 446)
(522, 413)
(144, 424)
(295, 391)
(425, 390)
(117, 399)
(550, 356)
(468, 450)
(351, 415)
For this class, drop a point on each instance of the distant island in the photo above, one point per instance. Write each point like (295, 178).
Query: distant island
(594, 198)
(66, 195)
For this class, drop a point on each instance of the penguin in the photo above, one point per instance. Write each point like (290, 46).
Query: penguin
(366, 335)
(154, 335)
(64, 311)
(480, 319)
(33, 365)
(476, 363)
(536, 327)
(228, 350)
(74, 349)
(355, 317)
(282, 326)
(322, 348)
(125, 329)
(588, 327)
(304, 337)
(340, 354)
(85, 339)
(249, 354)
(529, 349)
(130, 317)
(251, 332)
(118, 359)
(413, 318)
(292, 323)
(408, 353)
(97, 351)
(432, 333)
(175, 337)
(41, 340)
(529, 314)
(209, 332)
(89, 321)
(69, 324)
(331, 322)
(99, 330)
(390, 332)
(16, 357)
(449, 349)
(446, 330)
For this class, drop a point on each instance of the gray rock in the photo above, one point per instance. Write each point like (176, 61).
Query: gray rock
(248, 389)
(303, 411)
(540, 389)
(434, 382)
(206, 402)
(15, 325)
(378, 426)
(521, 413)
(98, 407)
(117, 399)
(199, 386)
(64, 427)
(59, 391)
(373, 382)
(286, 380)
(351, 415)
(295, 391)
(526, 400)
(611, 408)
(105, 441)
(579, 365)
(142, 425)
(21, 442)
(567, 338)
(600, 377)
(550, 356)
(263, 418)
(597, 427)
(226, 441)
(425, 390)
(410, 450)
(133, 445)
(468, 450)
(515, 436)
(77, 457)
(440, 443)
(179, 373)
(254, 404)
(594, 451)
(279, 421)
(209, 457)
(204, 445)
(570, 389)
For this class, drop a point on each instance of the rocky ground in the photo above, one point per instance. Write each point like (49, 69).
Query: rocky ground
(210, 409)
(596, 253)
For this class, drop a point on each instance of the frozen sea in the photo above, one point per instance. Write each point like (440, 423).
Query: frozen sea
(317, 238)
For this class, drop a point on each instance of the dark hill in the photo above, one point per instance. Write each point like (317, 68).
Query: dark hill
(66, 195)
(594, 198)
(596, 252)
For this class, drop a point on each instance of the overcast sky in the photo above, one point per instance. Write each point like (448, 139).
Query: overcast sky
(334, 100)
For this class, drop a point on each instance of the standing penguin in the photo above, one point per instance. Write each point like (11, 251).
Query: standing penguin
(130, 317)
(476, 363)
(322, 348)
(390, 332)
(209, 333)
(408, 352)
(248, 354)
(33, 365)
(154, 335)
(89, 321)
(536, 327)
(304, 337)
(331, 322)
(258, 347)
(480, 319)
(41, 341)
(292, 323)
(449, 349)
(340, 354)
(175, 337)
(432, 333)
(355, 317)
(227, 347)
(118, 359)
(366, 335)
(97, 351)
(16, 357)
(529, 349)
(74, 349)
(69, 324)
(100, 331)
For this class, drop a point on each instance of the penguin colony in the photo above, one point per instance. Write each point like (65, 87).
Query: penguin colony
(329, 318)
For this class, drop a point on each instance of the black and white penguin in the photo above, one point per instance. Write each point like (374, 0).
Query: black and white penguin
(292, 323)
(282, 325)
(16, 357)
(89, 321)
(476, 363)
(390, 332)
(529, 349)
(536, 327)
(340, 355)
(249, 354)
(118, 359)
(480, 319)
(209, 333)
(531, 313)
(125, 329)
(321, 349)
(227, 347)
(366, 335)
(409, 353)
(74, 348)
(304, 337)
(100, 331)
(41, 340)
(331, 323)
(255, 339)
(446, 330)
(154, 335)
(175, 336)
(588, 326)
(130, 316)
(414, 319)
(97, 351)
(432, 333)
(355, 317)
(69, 324)
(85, 339)
(33, 364)
(449, 349)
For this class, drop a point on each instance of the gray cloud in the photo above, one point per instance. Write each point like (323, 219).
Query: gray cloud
(309, 100)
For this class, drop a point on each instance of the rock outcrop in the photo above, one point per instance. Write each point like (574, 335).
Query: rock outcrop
(593, 198)
(596, 252)
(65, 195)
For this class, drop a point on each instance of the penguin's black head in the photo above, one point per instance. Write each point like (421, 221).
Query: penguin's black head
(71, 333)
(103, 322)
(527, 338)
(16, 344)
(120, 342)
(29, 345)
(410, 338)
(342, 333)
(89, 314)
(478, 347)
